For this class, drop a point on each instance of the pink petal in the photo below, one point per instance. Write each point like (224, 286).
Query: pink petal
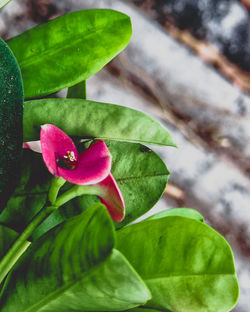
(35, 146)
(93, 165)
(55, 146)
(111, 197)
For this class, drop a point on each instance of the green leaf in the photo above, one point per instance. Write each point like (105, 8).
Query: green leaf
(112, 285)
(182, 212)
(73, 268)
(143, 310)
(77, 91)
(93, 119)
(11, 110)
(69, 49)
(59, 258)
(30, 195)
(141, 175)
(3, 3)
(186, 264)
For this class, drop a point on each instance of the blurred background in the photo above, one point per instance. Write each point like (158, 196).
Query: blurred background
(188, 65)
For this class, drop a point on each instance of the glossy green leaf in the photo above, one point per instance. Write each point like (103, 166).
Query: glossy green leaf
(11, 110)
(3, 3)
(73, 268)
(141, 175)
(113, 284)
(53, 262)
(186, 264)
(143, 310)
(69, 49)
(182, 212)
(93, 119)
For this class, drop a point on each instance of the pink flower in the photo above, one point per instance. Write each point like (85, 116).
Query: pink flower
(111, 197)
(61, 157)
(92, 167)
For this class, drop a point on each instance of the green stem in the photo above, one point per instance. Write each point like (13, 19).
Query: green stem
(21, 244)
(76, 191)
(55, 186)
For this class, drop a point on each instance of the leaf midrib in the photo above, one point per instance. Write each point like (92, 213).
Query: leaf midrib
(57, 293)
(117, 179)
(142, 177)
(187, 276)
(129, 140)
(57, 48)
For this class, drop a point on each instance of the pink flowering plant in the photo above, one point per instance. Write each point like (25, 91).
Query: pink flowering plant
(75, 173)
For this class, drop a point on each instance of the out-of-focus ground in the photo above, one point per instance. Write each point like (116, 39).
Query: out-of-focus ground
(188, 65)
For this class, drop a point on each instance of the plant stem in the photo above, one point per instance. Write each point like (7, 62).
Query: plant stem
(21, 244)
(75, 191)
(55, 186)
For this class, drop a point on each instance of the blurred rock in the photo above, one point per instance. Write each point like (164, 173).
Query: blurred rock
(218, 30)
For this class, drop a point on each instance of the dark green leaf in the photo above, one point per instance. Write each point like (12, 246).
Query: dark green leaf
(30, 195)
(7, 237)
(77, 91)
(186, 264)
(11, 110)
(73, 268)
(69, 49)
(93, 119)
(184, 212)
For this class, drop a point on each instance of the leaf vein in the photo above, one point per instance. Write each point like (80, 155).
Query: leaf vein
(187, 275)
(139, 178)
(57, 48)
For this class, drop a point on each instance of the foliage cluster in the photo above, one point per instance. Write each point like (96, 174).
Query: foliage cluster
(77, 258)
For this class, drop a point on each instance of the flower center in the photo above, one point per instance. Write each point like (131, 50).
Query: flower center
(67, 161)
